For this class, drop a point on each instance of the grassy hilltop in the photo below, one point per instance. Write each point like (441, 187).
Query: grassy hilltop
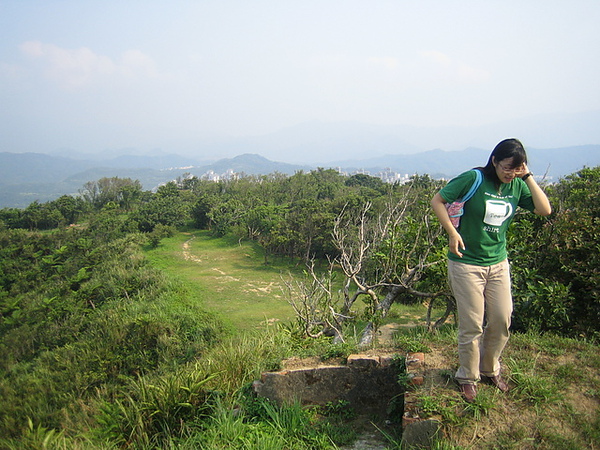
(132, 319)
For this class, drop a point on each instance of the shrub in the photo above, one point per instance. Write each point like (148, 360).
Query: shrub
(86, 318)
(556, 262)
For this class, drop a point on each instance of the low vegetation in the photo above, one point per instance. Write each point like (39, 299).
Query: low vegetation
(553, 402)
(132, 319)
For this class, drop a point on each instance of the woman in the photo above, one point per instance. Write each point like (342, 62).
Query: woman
(478, 269)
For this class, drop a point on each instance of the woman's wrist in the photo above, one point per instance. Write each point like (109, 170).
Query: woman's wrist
(527, 175)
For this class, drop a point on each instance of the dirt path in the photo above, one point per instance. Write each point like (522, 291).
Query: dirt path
(187, 255)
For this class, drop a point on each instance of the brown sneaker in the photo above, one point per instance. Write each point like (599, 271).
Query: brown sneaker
(468, 391)
(499, 383)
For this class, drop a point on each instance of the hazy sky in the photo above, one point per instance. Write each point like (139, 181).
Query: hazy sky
(92, 75)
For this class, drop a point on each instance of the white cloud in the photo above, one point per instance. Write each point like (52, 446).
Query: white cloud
(11, 71)
(440, 65)
(76, 68)
(388, 62)
(428, 67)
(136, 63)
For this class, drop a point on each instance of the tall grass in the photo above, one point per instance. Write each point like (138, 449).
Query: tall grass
(209, 404)
(152, 411)
(240, 359)
(291, 427)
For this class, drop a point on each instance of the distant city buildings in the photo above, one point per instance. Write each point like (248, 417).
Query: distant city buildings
(387, 175)
(211, 175)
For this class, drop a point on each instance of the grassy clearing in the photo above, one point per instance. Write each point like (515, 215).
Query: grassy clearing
(227, 277)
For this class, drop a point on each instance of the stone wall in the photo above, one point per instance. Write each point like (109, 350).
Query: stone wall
(367, 383)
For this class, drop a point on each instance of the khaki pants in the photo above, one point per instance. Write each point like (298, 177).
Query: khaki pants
(484, 303)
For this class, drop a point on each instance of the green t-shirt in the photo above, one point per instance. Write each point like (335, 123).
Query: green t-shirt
(486, 217)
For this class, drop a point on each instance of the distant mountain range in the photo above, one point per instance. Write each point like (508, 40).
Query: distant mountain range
(553, 163)
(26, 177)
(320, 142)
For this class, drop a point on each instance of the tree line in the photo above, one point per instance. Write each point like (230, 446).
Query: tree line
(381, 237)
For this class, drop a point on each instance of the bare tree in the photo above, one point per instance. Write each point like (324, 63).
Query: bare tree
(315, 303)
(382, 257)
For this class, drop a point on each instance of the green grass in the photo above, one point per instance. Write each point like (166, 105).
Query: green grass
(227, 277)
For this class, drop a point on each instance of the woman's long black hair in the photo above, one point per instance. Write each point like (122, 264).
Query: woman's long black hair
(508, 148)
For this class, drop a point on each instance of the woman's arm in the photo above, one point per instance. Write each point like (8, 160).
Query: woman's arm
(540, 200)
(455, 243)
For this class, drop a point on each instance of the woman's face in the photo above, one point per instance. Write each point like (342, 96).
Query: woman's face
(506, 170)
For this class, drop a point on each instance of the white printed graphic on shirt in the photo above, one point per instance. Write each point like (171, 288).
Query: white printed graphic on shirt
(496, 212)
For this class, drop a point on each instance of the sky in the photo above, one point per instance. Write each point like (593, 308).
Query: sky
(92, 75)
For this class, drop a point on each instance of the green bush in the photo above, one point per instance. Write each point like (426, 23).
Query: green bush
(556, 261)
